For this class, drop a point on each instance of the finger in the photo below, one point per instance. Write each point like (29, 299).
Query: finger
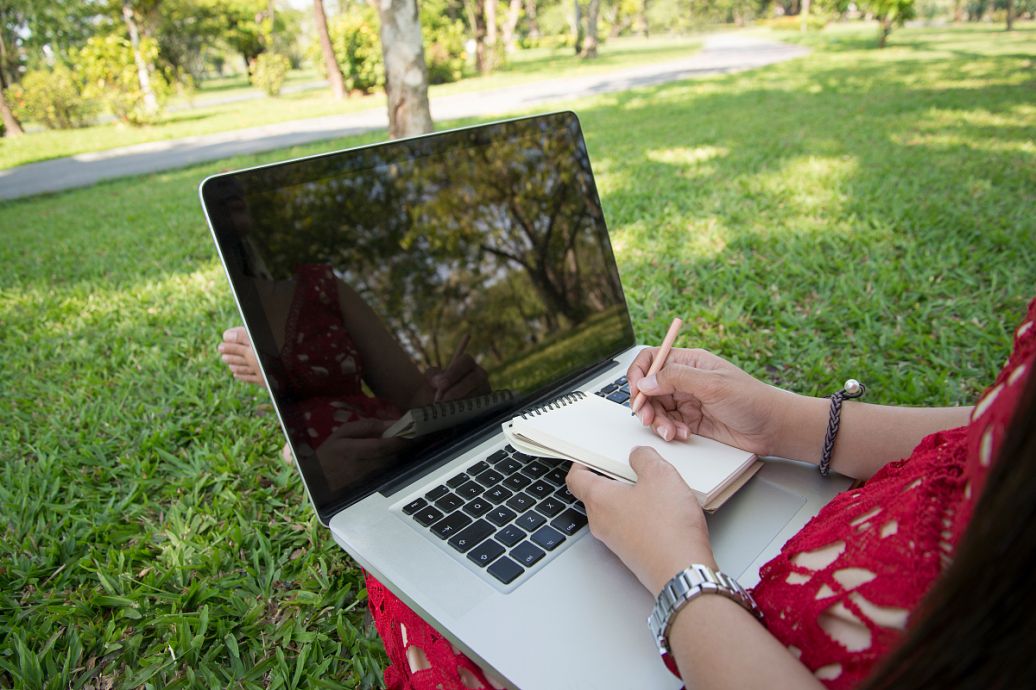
(237, 360)
(639, 367)
(645, 461)
(683, 432)
(662, 424)
(458, 369)
(234, 349)
(237, 335)
(682, 378)
(587, 485)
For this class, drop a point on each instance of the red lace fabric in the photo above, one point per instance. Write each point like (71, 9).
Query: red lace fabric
(840, 592)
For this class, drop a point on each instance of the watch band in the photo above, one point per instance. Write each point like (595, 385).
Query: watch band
(687, 585)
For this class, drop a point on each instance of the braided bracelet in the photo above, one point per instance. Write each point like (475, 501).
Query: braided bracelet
(852, 389)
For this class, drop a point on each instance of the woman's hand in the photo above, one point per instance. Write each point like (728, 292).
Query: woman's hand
(697, 392)
(655, 526)
(463, 378)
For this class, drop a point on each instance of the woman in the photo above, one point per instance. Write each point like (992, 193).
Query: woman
(842, 593)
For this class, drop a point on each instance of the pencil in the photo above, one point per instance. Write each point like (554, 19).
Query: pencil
(461, 346)
(660, 357)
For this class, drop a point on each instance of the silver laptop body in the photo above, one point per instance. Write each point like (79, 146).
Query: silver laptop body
(403, 225)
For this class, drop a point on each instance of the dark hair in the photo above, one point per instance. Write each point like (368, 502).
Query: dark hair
(976, 628)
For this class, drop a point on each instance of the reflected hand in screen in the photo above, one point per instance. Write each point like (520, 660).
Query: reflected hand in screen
(463, 378)
(358, 441)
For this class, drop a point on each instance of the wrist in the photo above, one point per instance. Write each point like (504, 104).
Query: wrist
(802, 422)
(673, 561)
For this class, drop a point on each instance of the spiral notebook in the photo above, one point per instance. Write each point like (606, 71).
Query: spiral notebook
(600, 434)
(441, 415)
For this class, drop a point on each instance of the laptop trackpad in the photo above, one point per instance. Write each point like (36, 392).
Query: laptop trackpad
(748, 522)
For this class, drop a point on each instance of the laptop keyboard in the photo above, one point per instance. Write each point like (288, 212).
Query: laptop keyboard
(509, 510)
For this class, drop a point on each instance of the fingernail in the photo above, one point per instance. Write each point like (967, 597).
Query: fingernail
(667, 434)
(648, 383)
(640, 415)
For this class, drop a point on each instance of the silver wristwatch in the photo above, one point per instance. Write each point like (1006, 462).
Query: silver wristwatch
(686, 585)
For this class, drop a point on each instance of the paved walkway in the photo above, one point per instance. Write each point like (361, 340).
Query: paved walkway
(720, 54)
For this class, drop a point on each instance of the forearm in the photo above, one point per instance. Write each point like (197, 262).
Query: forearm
(869, 436)
(718, 644)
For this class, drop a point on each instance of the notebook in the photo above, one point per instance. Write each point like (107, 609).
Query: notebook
(420, 421)
(593, 431)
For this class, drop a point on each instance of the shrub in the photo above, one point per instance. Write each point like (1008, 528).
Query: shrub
(444, 38)
(53, 97)
(354, 36)
(111, 76)
(268, 71)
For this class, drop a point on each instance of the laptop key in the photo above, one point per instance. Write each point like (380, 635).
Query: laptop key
(500, 516)
(522, 457)
(527, 554)
(427, 515)
(530, 521)
(414, 506)
(548, 537)
(517, 481)
(450, 525)
(521, 502)
(478, 468)
(619, 397)
(469, 490)
(474, 533)
(489, 478)
(449, 502)
(457, 480)
(556, 476)
(505, 570)
(550, 506)
(437, 493)
(564, 494)
(508, 466)
(569, 521)
(477, 507)
(510, 535)
(498, 456)
(535, 469)
(540, 489)
(497, 494)
(485, 553)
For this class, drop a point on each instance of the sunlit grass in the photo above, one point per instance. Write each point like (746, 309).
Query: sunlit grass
(830, 217)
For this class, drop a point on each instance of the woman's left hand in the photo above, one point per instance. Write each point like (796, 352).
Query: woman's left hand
(463, 378)
(655, 526)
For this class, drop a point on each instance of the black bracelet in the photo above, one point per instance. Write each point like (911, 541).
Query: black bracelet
(852, 389)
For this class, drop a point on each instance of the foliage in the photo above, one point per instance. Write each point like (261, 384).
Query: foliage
(889, 13)
(444, 39)
(357, 46)
(110, 71)
(268, 70)
(814, 22)
(153, 538)
(53, 97)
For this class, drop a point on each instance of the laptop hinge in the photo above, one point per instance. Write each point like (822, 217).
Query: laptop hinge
(451, 451)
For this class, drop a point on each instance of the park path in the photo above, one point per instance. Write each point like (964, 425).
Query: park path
(721, 53)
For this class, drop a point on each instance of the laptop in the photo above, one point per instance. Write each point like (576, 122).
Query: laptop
(361, 276)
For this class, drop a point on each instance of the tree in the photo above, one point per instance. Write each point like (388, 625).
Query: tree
(334, 72)
(890, 14)
(12, 128)
(590, 41)
(406, 77)
(1010, 15)
(476, 10)
(143, 69)
(514, 11)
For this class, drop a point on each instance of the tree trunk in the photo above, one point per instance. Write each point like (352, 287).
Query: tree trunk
(590, 43)
(530, 16)
(12, 128)
(643, 19)
(805, 16)
(514, 11)
(1010, 15)
(958, 11)
(886, 29)
(406, 77)
(334, 72)
(150, 102)
(477, 19)
(577, 26)
(490, 33)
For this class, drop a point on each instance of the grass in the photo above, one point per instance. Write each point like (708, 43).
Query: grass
(210, 116)
(855, 213)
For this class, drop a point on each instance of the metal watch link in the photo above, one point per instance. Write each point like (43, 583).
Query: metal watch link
(687, 585)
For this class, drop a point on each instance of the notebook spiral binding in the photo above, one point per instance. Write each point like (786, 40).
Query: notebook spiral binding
(556, 403)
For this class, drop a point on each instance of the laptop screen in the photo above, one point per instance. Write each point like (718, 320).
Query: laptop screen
(403, 296)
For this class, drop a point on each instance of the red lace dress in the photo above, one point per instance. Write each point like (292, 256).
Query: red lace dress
(840, 593)
(323, 369)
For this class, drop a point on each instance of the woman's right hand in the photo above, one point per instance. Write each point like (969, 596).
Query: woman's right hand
(697, 392)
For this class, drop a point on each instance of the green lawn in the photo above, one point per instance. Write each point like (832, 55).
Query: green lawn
(209, 116)
(856, 213)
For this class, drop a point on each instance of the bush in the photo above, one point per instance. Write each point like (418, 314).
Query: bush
(444, 38)
(814, 22)
(268, 71)
(52, 97)
(111, 76)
